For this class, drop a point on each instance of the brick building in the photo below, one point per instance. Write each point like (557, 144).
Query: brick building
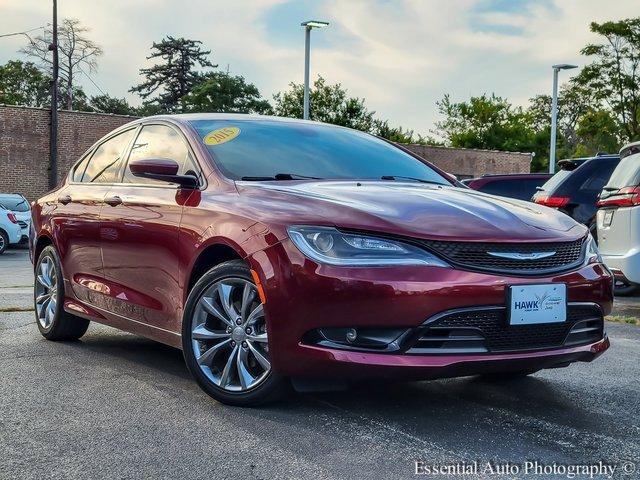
(24, 149)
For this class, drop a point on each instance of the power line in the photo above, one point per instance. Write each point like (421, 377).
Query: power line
(91, 80)
(25, 33)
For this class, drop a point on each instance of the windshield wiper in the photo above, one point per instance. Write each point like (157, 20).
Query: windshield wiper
(414, 179)
(281, 176)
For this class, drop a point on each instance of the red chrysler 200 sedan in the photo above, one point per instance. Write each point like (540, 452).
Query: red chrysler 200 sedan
(272, 249)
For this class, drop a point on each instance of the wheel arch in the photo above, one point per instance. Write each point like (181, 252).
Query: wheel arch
(43, 240)
(210, 255)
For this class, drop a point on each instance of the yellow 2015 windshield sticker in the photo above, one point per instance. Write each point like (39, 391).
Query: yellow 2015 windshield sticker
(221, 135)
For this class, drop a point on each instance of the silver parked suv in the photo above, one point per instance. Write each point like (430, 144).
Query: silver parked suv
(619, 221)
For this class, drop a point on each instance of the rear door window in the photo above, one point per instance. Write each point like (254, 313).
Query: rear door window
(104, 166)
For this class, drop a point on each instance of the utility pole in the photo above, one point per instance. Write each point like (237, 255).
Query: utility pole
(53, 134)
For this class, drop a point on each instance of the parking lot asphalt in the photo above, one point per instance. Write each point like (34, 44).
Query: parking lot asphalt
(114, 405)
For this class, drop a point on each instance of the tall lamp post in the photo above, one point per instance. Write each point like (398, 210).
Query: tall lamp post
(554, 113)
(308, 26)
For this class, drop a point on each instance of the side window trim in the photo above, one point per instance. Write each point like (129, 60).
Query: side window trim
(87, 156)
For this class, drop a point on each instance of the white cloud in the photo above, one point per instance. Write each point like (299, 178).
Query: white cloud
(401, 56)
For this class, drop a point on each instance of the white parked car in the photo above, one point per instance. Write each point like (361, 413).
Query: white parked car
(618, 221)
(10, 231)
(19, 206)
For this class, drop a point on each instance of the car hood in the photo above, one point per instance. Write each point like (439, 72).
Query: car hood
(409, 209)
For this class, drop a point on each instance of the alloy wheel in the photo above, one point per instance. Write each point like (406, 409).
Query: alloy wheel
(46, 292)
(229, 336)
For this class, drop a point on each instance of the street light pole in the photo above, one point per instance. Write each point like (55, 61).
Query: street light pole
(307, 50)
(554, 114)
(53, 133)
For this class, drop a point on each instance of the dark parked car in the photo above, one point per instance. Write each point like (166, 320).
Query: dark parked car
(574, 189)
(270, 249)
(521, 186)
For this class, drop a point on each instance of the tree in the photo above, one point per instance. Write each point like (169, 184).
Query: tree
(382, 129)
(328, 103)
(222, 92)
(598, 132)
(488, 122)
(108, 104)
(175, 76)
(75, 52)
(614, 75)
(22, 83)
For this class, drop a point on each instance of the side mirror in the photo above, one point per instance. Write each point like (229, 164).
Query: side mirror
(162, 169)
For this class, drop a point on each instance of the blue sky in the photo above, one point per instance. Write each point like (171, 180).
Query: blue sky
(401, 56)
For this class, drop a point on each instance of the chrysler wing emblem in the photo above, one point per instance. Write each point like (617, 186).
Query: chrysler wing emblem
(522, 256)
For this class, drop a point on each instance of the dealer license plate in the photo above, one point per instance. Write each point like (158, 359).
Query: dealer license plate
(531, 304)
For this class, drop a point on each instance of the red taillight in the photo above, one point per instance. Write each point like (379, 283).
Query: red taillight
(12, 217)
(625, 197)
(551, 201)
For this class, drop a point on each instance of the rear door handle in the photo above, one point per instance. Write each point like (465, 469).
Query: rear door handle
(64, 199)
(113, 201)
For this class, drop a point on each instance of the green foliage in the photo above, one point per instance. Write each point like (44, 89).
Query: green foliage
(223, 92)
(175, 75)
(487, 122)
(613, 77)
(22, 83)
(108, 104)
(328, 103)
(332, 104)
(598, 132)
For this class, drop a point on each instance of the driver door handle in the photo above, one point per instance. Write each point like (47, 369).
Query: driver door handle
(113, 201)
(64, 199)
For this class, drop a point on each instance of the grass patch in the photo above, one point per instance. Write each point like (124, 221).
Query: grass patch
(15, 309)
(624, 319)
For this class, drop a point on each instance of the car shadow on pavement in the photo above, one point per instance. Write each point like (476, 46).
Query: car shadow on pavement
(134, 350)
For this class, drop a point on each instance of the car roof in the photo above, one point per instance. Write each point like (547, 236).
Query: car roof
(630, 149)
(190, 117)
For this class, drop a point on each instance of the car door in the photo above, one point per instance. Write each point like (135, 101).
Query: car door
(76, 217)
(139, 233)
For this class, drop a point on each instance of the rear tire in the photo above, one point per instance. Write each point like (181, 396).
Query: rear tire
(224, 338)
(48, 297)
(625, 289)
(4, 242)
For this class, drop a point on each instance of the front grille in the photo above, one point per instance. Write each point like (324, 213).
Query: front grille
(22, 224)
(485, 329)
(476, 256)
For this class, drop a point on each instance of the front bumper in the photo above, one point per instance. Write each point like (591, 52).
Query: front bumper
(303, 296)
(625, 266)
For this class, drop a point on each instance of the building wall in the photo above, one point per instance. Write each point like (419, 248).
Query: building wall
(470, 163)
(24, 144)
(24, 149)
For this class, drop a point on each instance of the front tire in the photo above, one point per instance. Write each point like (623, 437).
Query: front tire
(48, 296)
(224, 338)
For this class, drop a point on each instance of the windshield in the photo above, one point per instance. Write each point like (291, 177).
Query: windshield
(626, 174)
(264, 149)
(14, 203)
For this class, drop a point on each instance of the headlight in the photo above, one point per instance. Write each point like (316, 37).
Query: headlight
(592, 253)
(329, 246)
